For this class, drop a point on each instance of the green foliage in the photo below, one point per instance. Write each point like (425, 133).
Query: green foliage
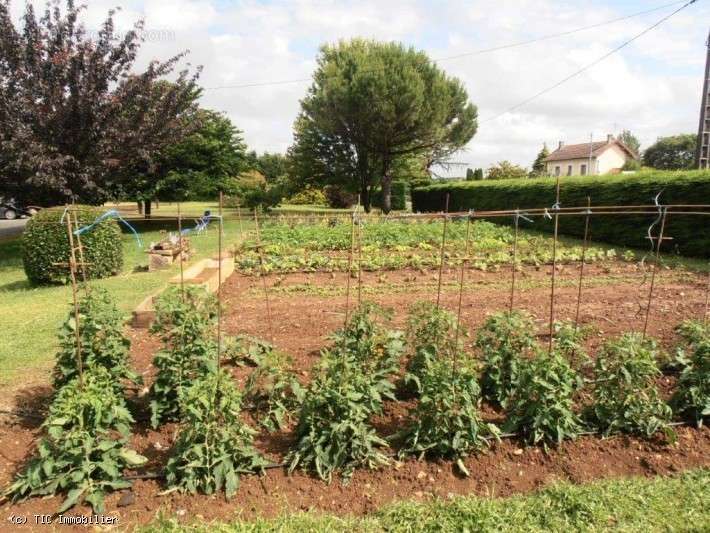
(83, 452)
(103, 343)
(431, 336)
(352, 382)
(625, 396)
(568, 341)
(446, 421)
(398, 196)
(245, 349)
(504, 341)
(689, 237)
(45, 243)
(539, 166)
(505, 170)
(676, 152)
(692, 333)
(256, 195)
(214, 446)
(308, 196)
(541, 407)
(274, 391)
(692, 397)
(185, 324)
(630, 140)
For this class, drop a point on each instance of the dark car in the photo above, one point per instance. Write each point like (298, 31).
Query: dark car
(10, 209)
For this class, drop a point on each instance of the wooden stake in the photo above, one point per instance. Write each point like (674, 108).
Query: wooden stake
(359, 254)
(707, 301)
(263, 276)
(554, 265)
(581, 266)
(441, 251)
(350, 265)
(84, 277)
(464, 265)
(77, 325)
(655, 268)
(180, 247)
(515, 261)
(219, 287)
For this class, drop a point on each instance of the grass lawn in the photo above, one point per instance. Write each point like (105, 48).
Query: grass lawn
(658, 504)
(30, 316)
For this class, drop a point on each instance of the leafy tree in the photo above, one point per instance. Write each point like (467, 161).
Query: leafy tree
(538, 166)
(478, 174)
(75, 113)
(470, 174)
(672, 153)
(630, 141)
(370, 105)
(505, 170)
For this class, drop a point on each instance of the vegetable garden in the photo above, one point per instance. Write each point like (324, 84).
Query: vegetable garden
(352, 361)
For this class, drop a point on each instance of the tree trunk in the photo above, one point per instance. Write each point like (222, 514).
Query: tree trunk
(147, 204)
(365, 198)
(386, 193)
(140, 207)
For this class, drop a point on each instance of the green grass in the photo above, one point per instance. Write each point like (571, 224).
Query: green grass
(636, 504)
(30, 316)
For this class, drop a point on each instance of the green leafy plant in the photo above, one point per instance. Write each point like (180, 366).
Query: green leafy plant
(214, 446)
(692, 397)
(625, 396)
(246, 350)
(431, 335)
(185, 322)
(83, 452)
(353, 380)
(692, 334)
(504, 341)
(541, 409)
(273, 389)
(101, 337)
(568, 340)
(446, 420)
(45, 245)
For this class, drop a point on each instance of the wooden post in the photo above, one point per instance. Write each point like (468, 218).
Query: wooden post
(77, 320)
(263, 276)
(554, 265)
(581, 266)
(514, 261)
(441, 252)
(182, 269)
(464, 264)
(350, 265)
(655, 269)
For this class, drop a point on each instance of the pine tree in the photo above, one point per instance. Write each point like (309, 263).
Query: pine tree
(538, 166)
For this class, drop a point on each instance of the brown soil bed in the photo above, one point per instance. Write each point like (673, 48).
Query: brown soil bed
(301, 322)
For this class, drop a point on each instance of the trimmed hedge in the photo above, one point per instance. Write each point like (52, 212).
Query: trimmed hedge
(400, 190)
(45, 242)
(691, 234)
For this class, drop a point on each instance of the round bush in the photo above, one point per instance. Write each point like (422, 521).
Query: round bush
(45, 242)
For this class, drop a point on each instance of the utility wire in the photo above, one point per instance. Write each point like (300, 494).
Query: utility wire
(465, 54)
(589, 65)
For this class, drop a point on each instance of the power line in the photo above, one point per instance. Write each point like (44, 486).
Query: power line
(465, 54)
(589, 65)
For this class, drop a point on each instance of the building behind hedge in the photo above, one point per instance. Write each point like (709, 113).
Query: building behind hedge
(592, 158)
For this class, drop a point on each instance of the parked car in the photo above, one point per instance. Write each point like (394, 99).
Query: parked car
(11, 209)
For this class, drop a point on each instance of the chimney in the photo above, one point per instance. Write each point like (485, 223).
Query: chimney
(562, 143)
(609, 138)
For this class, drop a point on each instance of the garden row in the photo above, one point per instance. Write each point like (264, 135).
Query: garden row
(547, 396)
(691, 236)
(396, 244)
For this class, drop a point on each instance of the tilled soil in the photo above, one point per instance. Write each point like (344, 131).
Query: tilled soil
(301, 318)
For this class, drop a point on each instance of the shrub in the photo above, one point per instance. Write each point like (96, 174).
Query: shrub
(338, 197)
(83, 452)
(351, 384)
(692, 397)
(431, 335)
(274, 390)
(541, 408)
(446, 420)
(309, 196)
(185, 323)
(45, 243)
(625, 396)
(102, 340)
(690, 238)
(504, 341)
(214, 446)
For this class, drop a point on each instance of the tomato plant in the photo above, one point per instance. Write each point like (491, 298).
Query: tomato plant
(625, 396)
(446, 421)
(568, 341)
(84, 450)
(504, 341)
(692, 397)
(214, 446)
(103, 343)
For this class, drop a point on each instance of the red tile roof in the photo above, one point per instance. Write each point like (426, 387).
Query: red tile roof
(581, 151)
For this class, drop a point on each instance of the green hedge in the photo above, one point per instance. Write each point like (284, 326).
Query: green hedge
(400, 190)
(691, 234)
(45, 242)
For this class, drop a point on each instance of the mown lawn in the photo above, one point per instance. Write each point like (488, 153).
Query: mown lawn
(627, 505)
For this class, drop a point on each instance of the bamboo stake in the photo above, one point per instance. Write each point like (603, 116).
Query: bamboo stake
(263, 276)
(581, 266)
(359, 254)
(77, 326)
(219, 288)
(441, 252)
(655, 268)
(350, 266)
(515, 261)
(707, 301)
(464, 265)
(180, 242)
(81, 254)
(554, 264)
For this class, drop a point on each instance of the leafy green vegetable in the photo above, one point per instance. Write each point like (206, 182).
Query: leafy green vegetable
(214, 446)
(83, 452)
(568, 341)
(692, 397)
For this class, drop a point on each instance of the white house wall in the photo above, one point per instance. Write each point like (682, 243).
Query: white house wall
(576, 166)
(613, 158)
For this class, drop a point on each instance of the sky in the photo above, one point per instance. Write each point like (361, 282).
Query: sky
(652, 87)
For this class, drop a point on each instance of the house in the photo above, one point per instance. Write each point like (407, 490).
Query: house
(602, 157)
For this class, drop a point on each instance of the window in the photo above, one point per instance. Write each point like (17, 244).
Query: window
(557, 170)
(569, 170)
(583, 170)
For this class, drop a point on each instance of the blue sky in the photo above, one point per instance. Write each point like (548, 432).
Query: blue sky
(652, 87)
